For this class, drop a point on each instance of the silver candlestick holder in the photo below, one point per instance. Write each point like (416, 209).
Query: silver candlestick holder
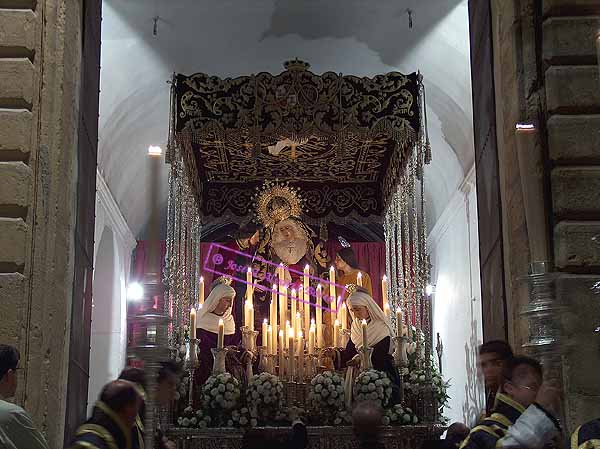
(400, 355)
(249, 339)
(365, 358)
(263, 360)
(219, 360)
(191, 364)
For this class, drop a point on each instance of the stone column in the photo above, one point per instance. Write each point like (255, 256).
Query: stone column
(40, 61)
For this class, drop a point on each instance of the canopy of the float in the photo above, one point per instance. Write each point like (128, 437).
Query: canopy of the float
(344, 141)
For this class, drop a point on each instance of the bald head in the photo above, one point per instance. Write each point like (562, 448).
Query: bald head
(366, 418)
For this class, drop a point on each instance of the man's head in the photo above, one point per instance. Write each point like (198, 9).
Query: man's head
(135, 375)
(122, 397)
(492, 359)
(522, 378)
(366, 419)
(9, 362)
(456, 433)
(167, 382)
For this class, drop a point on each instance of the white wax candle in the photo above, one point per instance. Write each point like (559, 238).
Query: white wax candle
(359, 279)
(300, 357)
(201, 291)
(298, 323)
(251, 319)
(221, 335)
(287, 333)
(269, 338)
(281, 345)
(336, 331)
(249, 284)
(264, 336)
(344, 315)
(319, 316)
(386, 310)
(332, 294)
(291, 353)
(294, 306)
(384, 293)
(399, 322)
(364, 333)
(311, 339)
(193, 324)
(306, 297)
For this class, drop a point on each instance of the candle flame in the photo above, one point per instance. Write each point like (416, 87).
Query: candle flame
(202, 279)
(221, 323)
(249, 270)
(306, 267)
(384, 278)
(154, 150)
(364, 322)
(281, 333)
(265, 321)
(337, 322)
(525, 126)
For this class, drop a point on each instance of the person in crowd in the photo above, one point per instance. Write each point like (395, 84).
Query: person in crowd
(347, 265)
(587, 436)
(456, 434)
(16, 427)
(218, 306)
(296, 438)
(523, 415)
(113, 418)
(366, 425)
(363, 307)
(167, 380)
(492, 358)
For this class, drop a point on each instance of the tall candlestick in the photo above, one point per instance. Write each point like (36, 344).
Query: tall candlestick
(294, 306)
(269, 338)
(291, 353)
(281, 345)
(384, 293)
(251, 316)
(193, 324)
(386, 310)
(343, 315)
(274, 341)
(332, 295)
(287, 333)
(282, 305)
(311, 339)
(298, 327)
(319, 316)
(221, 335)
(300, 357)
(359, 279)
(364, 333)
(249, 283)
(399, 322)
(264, 336)
(306, 296)
(336, 331)
(201, 291)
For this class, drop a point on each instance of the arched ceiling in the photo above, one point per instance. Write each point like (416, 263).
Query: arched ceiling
(232, 38)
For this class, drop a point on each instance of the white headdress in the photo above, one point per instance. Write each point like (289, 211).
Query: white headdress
(209, 321)
(378, 326)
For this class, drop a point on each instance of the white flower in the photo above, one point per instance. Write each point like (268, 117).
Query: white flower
(180, 420)
(318, 388)
(386, 421)
(186, 422)
(193, 421)
(221, 388)
(243, 420)
(406, 418)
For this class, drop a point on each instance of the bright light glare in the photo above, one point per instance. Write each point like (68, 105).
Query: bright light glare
(154, 150)
(429, 290)
(135, 291)
(525, 126)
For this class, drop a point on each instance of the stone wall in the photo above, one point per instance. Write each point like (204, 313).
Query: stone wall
(545, 70)
(573, 112)
(40, 62)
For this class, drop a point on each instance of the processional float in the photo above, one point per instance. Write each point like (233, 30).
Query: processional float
(339, 148)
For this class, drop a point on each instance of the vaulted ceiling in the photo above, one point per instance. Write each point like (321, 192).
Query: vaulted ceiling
(145, 41)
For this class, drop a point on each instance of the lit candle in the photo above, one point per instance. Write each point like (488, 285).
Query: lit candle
(319, 316)
(399, 322)
(291, 353)
(221, 336)
(364, 334)
(332, 295)
(343, 315)
(386, 310)
(306, 296)
(249, 284)
(201, 292)
(269, 339)
(265, 336)
(294, 305)
(282, 304)
(193, 324)
(311, 339)
(287, 333)
(300, 356)
(336, 331)
(281, 345)
(384, 293)
(359, 279)
(298, 328)
(251, 318)
(273, 308)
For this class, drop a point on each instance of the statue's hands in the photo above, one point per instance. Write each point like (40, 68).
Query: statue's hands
(355, 361)
(248, 357)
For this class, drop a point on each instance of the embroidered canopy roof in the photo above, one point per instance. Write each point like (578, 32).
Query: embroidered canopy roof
(343, 140)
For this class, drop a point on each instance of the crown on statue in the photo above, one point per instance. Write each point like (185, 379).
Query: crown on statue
(276, 202)
(296, 64)
(225, 280)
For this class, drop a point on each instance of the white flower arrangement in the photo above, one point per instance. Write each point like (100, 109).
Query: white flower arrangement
(194, 419)
(326, 395)
(243, 417)
(398, 415)
(221, 392)
(264, 395)
(373, 385)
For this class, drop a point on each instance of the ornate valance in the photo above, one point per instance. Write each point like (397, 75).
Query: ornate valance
(344, 140)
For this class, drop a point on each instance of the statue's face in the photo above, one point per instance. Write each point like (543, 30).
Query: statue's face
(289, 241)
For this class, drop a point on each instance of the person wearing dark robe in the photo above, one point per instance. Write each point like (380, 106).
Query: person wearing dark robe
(218, 306)
(587, 436)
(522, 416)
(492, 359)
(362, 306)
(113, 418)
